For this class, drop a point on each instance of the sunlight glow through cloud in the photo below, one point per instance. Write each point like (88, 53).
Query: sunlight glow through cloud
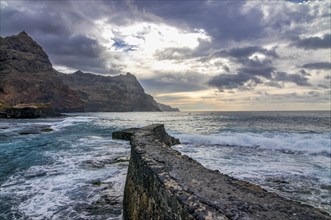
(148, 37)
(258, 56)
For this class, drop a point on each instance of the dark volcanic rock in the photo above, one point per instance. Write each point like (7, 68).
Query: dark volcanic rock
(32, 130)
(157, 130)
(27, 76)
(30, 111)
(163, 184)
(125, 134)
(121, 93)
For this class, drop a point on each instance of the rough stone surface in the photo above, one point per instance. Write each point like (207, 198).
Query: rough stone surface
(125, 134)
(163, 184)
(122, 93)
(27, 76)
(30, 111)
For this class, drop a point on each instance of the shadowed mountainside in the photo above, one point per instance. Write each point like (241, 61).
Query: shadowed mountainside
(121, 93)
(27, 76)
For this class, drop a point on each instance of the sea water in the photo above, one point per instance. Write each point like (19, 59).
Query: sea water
(76, 171)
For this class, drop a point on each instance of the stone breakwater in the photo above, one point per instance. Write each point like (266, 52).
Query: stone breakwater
(163, 184)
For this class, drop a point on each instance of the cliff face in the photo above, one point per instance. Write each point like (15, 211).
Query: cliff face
(27, 76)
(121, 93)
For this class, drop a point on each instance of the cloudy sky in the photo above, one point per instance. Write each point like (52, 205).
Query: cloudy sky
(192, 54)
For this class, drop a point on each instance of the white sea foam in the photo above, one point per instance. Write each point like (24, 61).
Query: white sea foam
(306, 142)
(69, 121)
(306, 176)
(55, 191)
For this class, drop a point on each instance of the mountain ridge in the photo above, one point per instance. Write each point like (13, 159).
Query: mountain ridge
(27, 76)
(121, 93)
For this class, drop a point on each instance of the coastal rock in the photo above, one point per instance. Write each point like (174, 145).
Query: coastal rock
(35, 130)
(157, 129)
(29, 111)
(28, 131)
(163, 184)
(167, 108)
(27, 76)
(122, 93)
(125, 134)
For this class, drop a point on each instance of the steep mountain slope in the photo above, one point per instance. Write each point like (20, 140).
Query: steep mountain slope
(27, 76)
(105, 93)
(167, 108)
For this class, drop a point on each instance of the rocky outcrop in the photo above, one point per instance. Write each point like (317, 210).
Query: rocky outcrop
(29, 111)
(167, 108)
(163, 184)
(121, 93)
(27, 76)
(157, 130)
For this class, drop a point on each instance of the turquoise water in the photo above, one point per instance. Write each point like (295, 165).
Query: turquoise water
(77, 171)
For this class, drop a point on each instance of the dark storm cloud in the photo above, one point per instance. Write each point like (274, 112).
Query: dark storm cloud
(256, 66)
(76, 45)
(297, 78)
(50, 24)
(251, 71)
(33, 23)
(248, 78)
(248, 74)
(222, 20)
(245, 52)
(233, 81)
(249, 66)
(77, 51)
(175, 82)
(318, 65)
(313, 43)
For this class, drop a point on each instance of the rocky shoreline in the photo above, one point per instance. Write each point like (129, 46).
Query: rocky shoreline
(163, 184)
(28, 111)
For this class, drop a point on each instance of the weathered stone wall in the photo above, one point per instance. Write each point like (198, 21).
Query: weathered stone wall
(163, 184)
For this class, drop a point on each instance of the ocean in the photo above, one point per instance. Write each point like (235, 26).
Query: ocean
(76, 171)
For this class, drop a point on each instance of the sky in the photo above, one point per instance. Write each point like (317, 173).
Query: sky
(198, 55)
